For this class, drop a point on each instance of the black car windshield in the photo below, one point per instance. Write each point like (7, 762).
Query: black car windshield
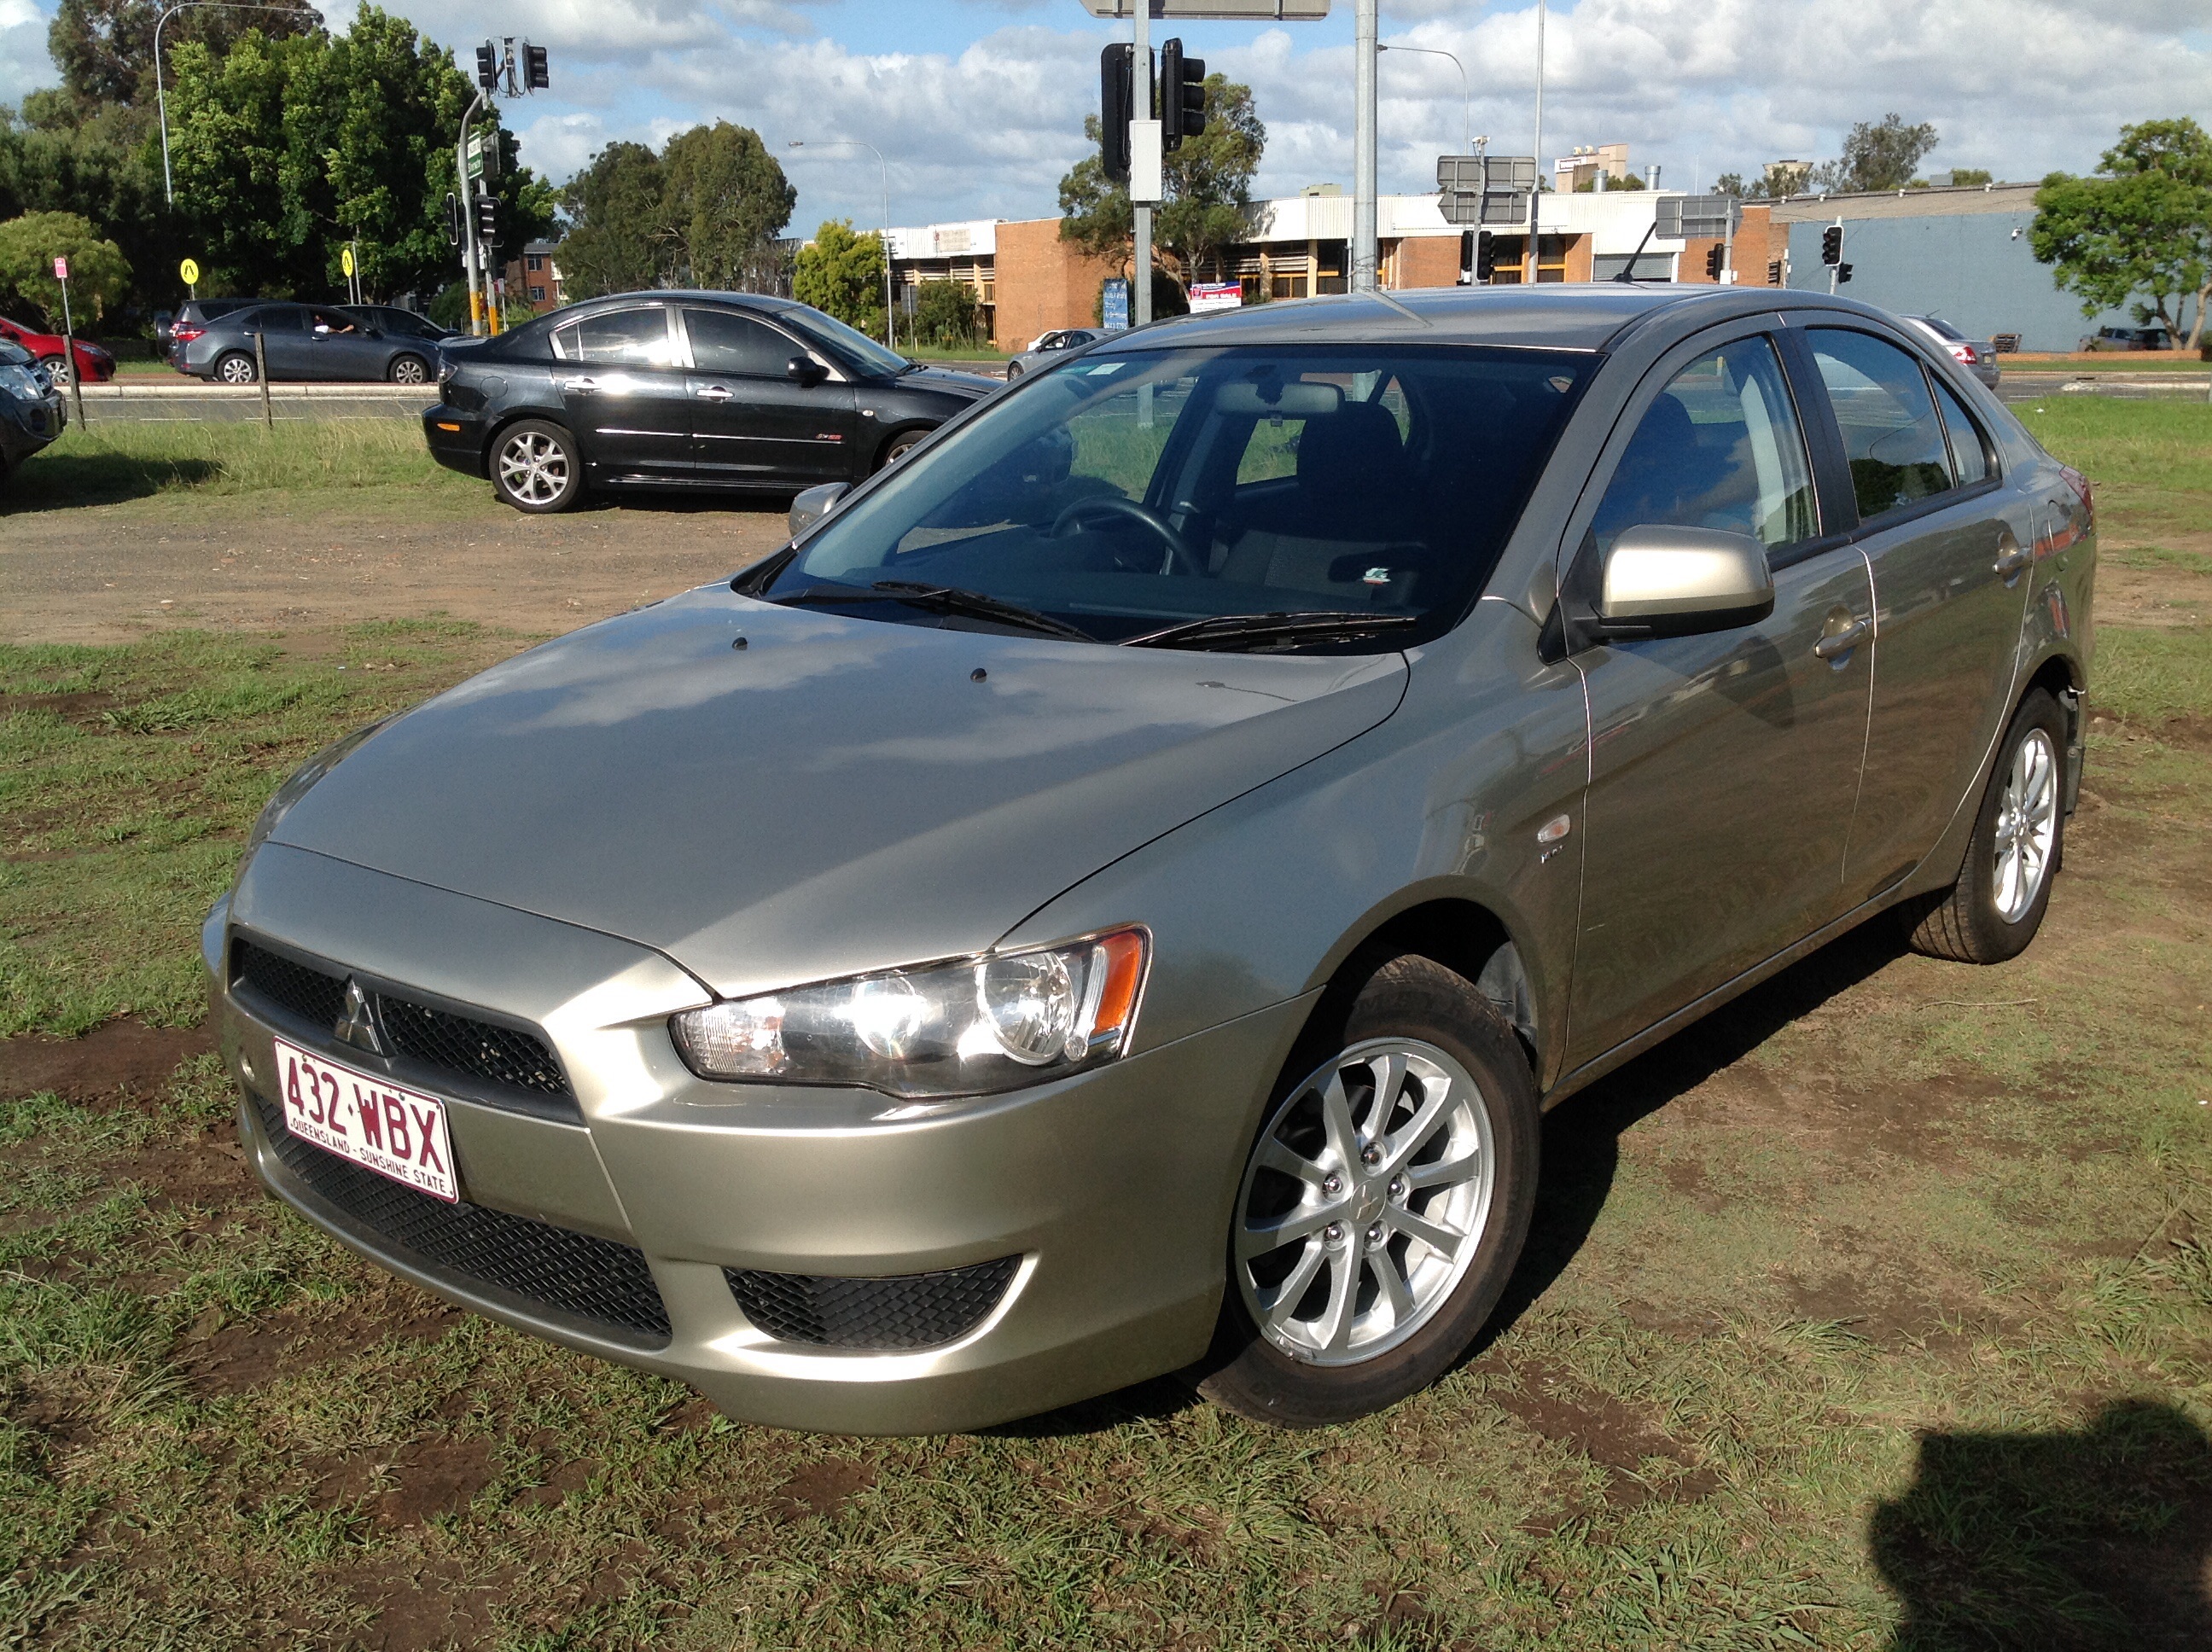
(1127, 493)
(861, 352)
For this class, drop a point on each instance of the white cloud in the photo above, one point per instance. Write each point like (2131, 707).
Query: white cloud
(24, 65)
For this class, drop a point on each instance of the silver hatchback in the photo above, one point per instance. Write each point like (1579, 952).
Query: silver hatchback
(1115, 895)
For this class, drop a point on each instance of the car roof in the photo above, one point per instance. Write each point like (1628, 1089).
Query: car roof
(1585, 316)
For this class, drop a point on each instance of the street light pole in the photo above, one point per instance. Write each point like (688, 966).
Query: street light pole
(1466, 99)
(1362, 148)
(1536, 195)
(889, 337)
(161, 92)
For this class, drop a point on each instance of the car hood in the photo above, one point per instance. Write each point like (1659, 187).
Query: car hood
(836, 795)
(971, 384)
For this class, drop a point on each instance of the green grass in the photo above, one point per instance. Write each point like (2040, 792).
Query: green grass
(1875, 1312)
(2151, 461)
(323, 463)
(2112, 361)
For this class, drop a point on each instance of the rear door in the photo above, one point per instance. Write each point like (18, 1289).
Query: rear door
(1950, 548)
(284, 343)
(623, 394)
(752, 425)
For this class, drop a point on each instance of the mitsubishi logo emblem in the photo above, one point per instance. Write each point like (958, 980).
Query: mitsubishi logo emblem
(357, 1026)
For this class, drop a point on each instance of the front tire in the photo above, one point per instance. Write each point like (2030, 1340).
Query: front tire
(235, 368)
(535, 468)
(1383, 1208)
(1993, 911)
(898, 447)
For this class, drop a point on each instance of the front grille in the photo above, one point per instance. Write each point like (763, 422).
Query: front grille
(912, 1310)
(504, 1056)
(607, 1284)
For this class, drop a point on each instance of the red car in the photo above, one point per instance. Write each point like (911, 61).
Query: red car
(94, 364)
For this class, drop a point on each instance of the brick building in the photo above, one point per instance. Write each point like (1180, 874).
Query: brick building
(534, 278)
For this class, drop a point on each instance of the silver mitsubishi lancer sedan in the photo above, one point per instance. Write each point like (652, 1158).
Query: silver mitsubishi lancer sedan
(1114, 895)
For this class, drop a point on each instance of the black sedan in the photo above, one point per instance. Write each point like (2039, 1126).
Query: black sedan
(302, 341)
(730, 391)
(32, 413)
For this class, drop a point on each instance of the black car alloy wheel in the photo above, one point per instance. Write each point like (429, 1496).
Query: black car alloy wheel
(409, 370)
(534, 468)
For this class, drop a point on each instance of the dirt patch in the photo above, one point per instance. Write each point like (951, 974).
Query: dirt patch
(1622, 1439)
(208, 1171)
(419, 1606)
(82, 708)
(435, 1477)
(233, 1358)
(820, 1489)
(117, 1055)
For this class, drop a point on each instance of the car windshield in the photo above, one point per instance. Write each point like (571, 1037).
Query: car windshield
(863, 352)
(1125, 494)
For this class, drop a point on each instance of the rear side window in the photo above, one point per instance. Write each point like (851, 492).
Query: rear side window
(1720, 448)
(1892, 434)
(638, 337)
(276, 318)
(1970, 449)
(723, 341)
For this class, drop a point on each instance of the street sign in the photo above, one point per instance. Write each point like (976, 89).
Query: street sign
(345, 260)
(1485, 189)
(1246, 11)
(1685, 217)
(61, 269)
(1215, 296)
(190, 269)
(1114, 304)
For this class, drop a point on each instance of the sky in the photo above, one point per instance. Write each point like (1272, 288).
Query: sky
(977, 105)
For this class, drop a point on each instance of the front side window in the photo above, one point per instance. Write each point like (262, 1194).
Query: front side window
(1720, 448)
(724, 341)
(1125, 493)
(1892, 434)
(277, 318)
(638, 337)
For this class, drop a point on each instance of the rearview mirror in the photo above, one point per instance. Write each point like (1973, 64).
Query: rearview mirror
(802, 371)
(1669, 581)
(813, 505)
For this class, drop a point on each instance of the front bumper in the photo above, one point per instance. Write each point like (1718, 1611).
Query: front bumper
(1105, 1197)
(456, 440)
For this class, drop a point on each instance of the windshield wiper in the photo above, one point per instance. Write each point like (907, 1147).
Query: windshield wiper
(1235, 629)
(946, 598)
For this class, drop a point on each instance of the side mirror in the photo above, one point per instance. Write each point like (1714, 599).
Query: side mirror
(1672, 582)
(804, 372)
(814, 504)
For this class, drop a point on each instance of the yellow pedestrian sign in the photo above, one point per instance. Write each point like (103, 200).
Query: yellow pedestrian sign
(190, 269)
(345, 260)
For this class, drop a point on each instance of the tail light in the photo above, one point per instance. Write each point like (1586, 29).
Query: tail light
(2079, 484)
(1964, 355)
(186, 335)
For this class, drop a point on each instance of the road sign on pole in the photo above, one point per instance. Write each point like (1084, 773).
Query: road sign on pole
(1696, 217)
(1240, 11)
(190, 269)
(1485, 189)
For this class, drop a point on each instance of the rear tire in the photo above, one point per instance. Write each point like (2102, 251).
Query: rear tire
(408, 370)
(535, 467)
(1355, 1309)
(1993, 911)
(236, 368)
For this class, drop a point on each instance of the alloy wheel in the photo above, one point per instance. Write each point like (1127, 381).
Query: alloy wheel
(235, 370)
(533, 468)
(2027, 826)
(408, 370)
(1365, 1202)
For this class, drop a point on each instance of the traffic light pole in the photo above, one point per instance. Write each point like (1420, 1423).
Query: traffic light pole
(1141, 108)
(469, 218)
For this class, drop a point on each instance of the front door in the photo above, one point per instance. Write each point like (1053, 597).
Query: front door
(1950, 551)
(284, 345)
(750, 422)
(623, 394)
(1724, 767)
(339, 347)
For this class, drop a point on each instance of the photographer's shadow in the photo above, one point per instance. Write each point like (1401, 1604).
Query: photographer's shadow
(2100, 1537)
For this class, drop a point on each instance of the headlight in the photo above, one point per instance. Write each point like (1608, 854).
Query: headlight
(23, 381)
(303, 778)
(966, 1028)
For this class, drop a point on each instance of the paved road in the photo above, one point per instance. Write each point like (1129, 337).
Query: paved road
(2034, 387)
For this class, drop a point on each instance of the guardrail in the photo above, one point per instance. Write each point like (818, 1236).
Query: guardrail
(120, 401)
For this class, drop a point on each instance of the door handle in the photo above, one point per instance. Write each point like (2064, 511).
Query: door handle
(716, 393)
(1842, 641)
(581, 387)
(2012, 556)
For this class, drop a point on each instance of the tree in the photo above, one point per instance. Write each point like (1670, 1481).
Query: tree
(613, 207)
(1876, 156)
(842, 274)
(945, 315)
(724, 200)
(2138, 233)
(98, 273)
(1208, 182)
(105, 48)
(1626, 181)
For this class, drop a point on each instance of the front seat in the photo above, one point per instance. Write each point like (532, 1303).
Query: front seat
(1355, 486)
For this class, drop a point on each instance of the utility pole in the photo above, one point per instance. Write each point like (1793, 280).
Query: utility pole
(1536, 195)
(1363, 147)
(1141, 121)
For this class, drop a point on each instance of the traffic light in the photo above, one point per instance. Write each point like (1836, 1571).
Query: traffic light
(487, 66)
(1843, 274)
(1831, 244)
(486, 221)
(1182, 95)
(1486, 258)
(453, 220)
(1774, 272)
(1714, 255)
(495, 158)
(1117, 66)
(534, 68)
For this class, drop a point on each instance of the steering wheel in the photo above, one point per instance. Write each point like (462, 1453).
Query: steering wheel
(1179, 551)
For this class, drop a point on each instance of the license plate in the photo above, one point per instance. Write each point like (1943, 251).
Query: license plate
(378, 1126)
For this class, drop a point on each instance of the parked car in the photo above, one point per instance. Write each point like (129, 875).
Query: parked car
(190, 322)
(1978, 355)
(1048, 348)
(314, 342)
(1116, 896)
(50, 350)
(717, 391)
(32, 410)
(2128, 338)
(397, 323)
